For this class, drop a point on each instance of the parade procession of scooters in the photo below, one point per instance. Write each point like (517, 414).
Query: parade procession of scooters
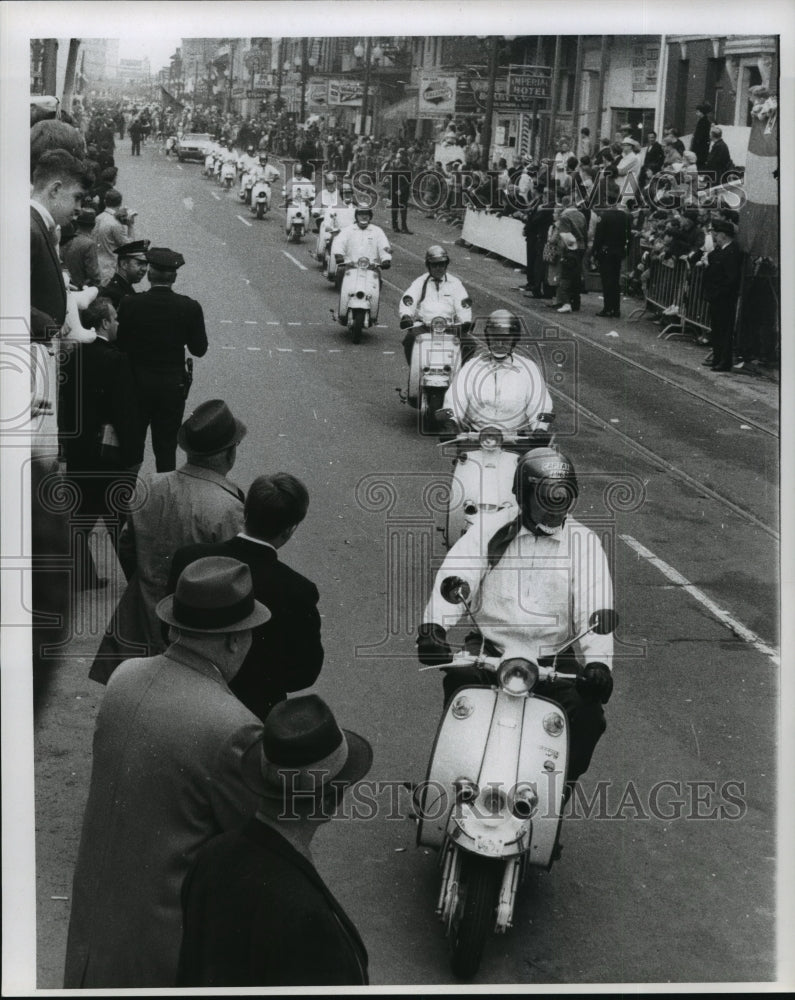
(499, 775)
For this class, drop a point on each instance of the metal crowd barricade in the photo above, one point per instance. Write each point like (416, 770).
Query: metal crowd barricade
(696, 312)
(666, 291)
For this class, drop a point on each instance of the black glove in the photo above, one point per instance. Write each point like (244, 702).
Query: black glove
(406, 322)
(385, 265)
(595, 683)
(432, 648)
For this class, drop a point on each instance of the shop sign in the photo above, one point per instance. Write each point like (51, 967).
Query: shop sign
(345, 93)
(437, 95)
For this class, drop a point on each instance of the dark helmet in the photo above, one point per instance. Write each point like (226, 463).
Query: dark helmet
(362, 210)
(547, 477)
(436, 255)
(502, 321)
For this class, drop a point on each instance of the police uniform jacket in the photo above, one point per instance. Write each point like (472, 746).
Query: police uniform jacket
(257, 913)
(157, 325)
(723, 273)
(47, 288)
(509, 393)
(425, 299)
(613, 232)
(538, 595)
(167, 776)
(116, 289)
(370, 242)
(188, 505)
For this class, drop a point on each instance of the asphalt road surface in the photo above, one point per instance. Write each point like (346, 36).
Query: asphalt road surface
(677, 465)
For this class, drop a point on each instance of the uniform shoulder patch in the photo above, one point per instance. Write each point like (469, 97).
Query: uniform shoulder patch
(408, 300)
(466, 303)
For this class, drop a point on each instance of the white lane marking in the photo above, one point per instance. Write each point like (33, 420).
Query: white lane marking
(296, 262)
(217, 198)
(387, 352)
(285, 350)
(273, 322)
(227, 347)
(293, 322)
(179, 167)
(313, 323)
(224, 320)
(381, 326)
(244, 221)
(250, 322)
(309, 350)
(253, 348)
(335, 350)
(188, 203)
(740, 630)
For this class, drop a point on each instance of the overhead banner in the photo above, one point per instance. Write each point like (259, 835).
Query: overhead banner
(436, 95)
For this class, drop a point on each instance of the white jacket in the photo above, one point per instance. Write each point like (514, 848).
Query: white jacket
(371, 242)
(508, 393)
(424, 301)
(539, 595)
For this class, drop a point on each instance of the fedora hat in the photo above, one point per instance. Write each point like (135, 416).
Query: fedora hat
(210, 429)
(213, 595)
(304, 754)
(629, 141)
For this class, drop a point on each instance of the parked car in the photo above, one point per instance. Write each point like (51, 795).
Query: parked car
(193, 146)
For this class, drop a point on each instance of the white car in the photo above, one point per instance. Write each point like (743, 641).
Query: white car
(194, 146)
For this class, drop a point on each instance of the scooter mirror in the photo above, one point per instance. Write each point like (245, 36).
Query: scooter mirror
(455, 590)
(604, 622)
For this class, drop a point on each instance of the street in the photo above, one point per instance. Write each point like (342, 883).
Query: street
(677, 466)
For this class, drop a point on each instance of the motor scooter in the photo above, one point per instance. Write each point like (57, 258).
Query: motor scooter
(171, 144)
(435, 358)
(360, 293)
(260, 202)
(297, 219)
(335, 221)
(228, 173)
(495, 791)
(246, 184)
(209, 165)
(483, 472)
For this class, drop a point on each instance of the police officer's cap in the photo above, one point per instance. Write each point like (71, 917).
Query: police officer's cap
(723, 226)
(164, 259)
(132, 249)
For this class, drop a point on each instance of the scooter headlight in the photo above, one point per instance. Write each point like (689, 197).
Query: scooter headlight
(438, 324)
(363, 262)
(517, 676)
(492, 801)
(490, 437)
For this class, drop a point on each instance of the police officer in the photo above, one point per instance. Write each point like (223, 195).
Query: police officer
(131, 265)
(155, 327)
(536, 580)
(436, 293)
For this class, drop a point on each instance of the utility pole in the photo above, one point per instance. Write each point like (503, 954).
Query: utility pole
(553, 107)
(367, 48)
(69, 76)
(486, 137)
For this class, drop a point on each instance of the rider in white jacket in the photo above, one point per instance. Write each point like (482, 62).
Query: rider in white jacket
(363, 239)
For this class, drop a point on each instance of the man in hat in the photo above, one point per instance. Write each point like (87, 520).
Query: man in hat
(629, 163)
(131, 265)
(699, 144)
(654, 157)
(721, 288)
(79, 255)
(286, 653)
(155, 328)
(196, 503)
(169, 743)
(256, 911)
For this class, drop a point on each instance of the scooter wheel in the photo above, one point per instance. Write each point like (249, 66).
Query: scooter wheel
(356, 326)
(432, 400)
(473, 922)
(260, 210)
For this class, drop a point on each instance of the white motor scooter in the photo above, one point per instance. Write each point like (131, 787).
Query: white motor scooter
(483, 472)
(493, 800)
(435, 358)
(360, 293)
(297, 219)
(246, 184)
(228, 173)
(260, 202)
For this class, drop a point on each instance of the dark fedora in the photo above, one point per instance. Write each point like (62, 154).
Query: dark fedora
(213, 595)
(704, 108)
(304, 754)
(210, 429)
(723, 226)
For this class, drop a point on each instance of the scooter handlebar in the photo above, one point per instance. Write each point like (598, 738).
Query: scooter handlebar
(462, 659)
